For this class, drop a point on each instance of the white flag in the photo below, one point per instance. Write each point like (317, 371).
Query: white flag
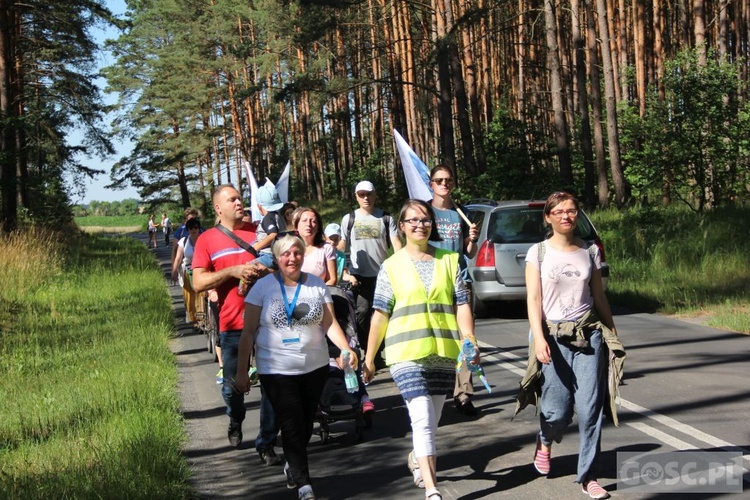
(256, 215)
(282, 186)
(415, 171)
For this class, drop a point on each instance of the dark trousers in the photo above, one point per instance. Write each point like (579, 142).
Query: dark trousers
(363, 296)
(295, 400)
(235, 401)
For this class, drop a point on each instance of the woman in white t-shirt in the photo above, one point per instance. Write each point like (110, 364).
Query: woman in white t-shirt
(288, 315)
(182, 268)
(320, 256)
(564, 290)
(152, 226)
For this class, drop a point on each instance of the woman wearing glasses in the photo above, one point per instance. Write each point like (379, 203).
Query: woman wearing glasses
(320, 257)
(421, 304)
(572, 328)
(288, 314)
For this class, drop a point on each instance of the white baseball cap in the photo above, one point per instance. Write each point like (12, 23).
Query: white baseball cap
(364, 186)
(332, 229)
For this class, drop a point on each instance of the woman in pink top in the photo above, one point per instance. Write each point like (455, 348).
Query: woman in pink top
(565, 295)
(320, 257)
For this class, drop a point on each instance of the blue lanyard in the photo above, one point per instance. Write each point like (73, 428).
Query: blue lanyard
(287, 305)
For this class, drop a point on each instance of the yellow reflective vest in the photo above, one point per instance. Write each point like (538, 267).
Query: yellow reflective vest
(422, 323)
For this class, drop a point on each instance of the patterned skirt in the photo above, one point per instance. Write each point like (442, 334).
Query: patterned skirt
(430, 376)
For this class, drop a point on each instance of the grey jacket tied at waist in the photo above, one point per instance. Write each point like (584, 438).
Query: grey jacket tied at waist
(531, 387)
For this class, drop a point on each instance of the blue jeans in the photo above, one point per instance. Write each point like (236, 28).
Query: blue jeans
(575, 376)
(235, 401)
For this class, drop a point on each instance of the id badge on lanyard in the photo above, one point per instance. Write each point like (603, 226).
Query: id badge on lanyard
(289, 337)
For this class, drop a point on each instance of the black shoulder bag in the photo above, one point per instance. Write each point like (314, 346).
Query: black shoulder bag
(242, 243)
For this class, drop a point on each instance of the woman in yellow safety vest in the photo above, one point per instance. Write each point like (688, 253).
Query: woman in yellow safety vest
(421, 304)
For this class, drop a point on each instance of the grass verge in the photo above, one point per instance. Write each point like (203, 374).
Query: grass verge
(675, 261)
(140, 221)
(90, 406)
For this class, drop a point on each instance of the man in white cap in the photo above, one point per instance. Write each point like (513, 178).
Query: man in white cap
(367, 232)
(276, 217)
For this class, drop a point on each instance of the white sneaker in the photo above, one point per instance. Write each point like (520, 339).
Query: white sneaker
(411, 462)
(306, 493)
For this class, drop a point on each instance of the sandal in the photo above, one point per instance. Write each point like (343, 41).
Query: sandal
(541, 458)
(411, 462)
(594, 490)
(433, 494)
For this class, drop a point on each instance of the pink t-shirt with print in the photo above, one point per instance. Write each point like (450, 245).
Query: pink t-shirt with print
(566, 294)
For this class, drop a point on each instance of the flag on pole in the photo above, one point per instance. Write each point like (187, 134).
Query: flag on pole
(415, 171)
(282, 186)
(256, 215)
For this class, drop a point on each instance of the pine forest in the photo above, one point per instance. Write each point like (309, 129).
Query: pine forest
(619, 101)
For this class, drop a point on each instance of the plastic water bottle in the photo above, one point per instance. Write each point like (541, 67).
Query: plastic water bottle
(468, 352)
(350, 376)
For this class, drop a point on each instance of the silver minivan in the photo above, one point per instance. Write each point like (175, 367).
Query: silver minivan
(507, 229)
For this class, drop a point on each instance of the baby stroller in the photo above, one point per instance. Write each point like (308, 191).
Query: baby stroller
(336, 404)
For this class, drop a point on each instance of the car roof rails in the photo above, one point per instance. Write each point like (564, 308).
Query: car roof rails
(482, 201)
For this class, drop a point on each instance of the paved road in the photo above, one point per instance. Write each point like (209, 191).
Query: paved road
(686, 388)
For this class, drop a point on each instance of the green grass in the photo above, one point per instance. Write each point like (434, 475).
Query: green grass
(114, 221)
(90, 406)
(675, 261)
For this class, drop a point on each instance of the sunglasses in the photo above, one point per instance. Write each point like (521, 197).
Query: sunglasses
(286, 233)
(443, 180)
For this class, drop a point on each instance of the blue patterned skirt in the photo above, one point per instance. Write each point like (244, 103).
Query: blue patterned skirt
(430, 376)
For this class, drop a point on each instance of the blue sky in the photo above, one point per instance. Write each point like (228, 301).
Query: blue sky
(95, 189)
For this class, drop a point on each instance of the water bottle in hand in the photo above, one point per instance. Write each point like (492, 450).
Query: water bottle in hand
(468, 353)
(350, 377)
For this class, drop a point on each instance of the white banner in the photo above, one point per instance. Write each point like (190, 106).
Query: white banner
(415, 171)
(253, 193)
(282, 186)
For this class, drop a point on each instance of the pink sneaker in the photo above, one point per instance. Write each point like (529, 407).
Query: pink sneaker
(367, 406)
(541, 458)
(594, 490)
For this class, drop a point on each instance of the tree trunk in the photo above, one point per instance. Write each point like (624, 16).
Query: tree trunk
(596, 107)
(615, 162)
(589, 195)
(699, 18)
(445, 109)
(639, 35)
(7, 110)
(560, 124)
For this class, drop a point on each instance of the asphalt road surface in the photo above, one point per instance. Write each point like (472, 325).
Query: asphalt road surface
(686, 388)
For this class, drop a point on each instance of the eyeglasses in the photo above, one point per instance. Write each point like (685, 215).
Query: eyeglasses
(571, 212)
(285, 233)
(365, 194)
(416, 222)
(440, 180)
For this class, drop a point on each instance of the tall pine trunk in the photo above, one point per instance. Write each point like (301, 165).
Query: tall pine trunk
(615, 163)
(560, 125)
